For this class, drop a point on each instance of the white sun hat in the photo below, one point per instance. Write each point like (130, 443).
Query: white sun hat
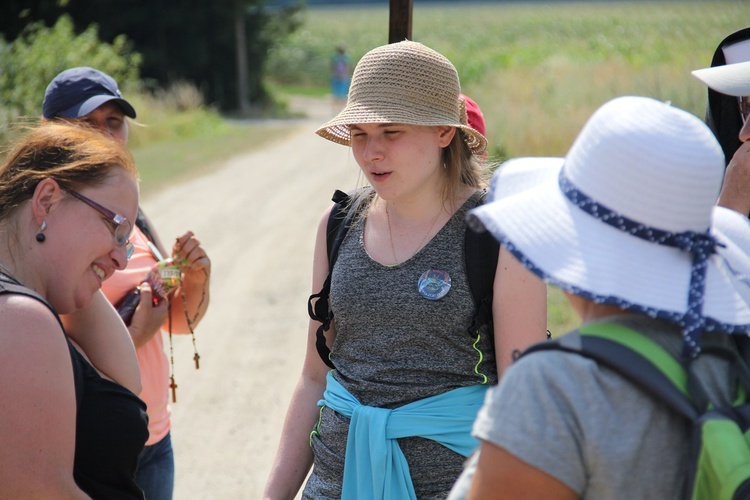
(625, 215)
(729, 79)
(732, 230)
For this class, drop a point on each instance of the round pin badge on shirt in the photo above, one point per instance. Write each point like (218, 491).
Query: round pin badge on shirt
(434, 284)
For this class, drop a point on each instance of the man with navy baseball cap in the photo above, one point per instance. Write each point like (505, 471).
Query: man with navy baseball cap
(76, 92)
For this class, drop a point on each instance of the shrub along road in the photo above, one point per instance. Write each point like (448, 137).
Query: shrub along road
(256, 216)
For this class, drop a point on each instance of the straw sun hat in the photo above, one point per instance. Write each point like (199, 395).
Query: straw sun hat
(404, 82)
(626, 219)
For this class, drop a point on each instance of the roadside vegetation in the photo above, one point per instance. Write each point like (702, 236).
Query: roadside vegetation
(537, 69)
(176, 134)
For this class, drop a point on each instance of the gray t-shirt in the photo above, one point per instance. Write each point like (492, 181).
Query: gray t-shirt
(591, 429)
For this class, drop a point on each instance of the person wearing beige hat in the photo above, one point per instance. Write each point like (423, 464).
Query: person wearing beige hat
(393, 418)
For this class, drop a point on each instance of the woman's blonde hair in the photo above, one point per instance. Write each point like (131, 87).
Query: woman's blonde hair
(462, 167)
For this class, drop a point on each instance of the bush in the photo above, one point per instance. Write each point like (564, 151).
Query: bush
(31, 61)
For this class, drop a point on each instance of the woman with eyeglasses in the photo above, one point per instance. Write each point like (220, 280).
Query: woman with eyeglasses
(69, 429)
(86, 95)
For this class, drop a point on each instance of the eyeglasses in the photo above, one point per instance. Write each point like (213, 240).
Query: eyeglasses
(122, 226)
(744, 104)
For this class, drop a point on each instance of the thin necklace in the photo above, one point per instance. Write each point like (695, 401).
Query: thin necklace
(4, 270)
(424, 238)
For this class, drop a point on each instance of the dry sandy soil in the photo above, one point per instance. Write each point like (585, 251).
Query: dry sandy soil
(256, 215)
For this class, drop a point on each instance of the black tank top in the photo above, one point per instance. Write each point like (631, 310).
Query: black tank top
(111, 425)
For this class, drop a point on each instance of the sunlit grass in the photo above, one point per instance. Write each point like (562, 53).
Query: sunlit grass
(537, 70)
(163, 163)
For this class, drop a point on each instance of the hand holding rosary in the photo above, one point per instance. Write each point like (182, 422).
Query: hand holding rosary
(164, 279)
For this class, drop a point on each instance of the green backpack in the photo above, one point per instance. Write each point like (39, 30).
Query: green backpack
(720, 436)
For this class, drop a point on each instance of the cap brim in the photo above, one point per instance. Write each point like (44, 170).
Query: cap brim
(730, 79)
(577, 253)
(84, 108)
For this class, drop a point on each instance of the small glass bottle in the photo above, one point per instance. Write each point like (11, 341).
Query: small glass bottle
(164, 278)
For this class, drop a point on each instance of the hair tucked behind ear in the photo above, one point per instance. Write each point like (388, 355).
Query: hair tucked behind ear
(463, 167)
(74, 155)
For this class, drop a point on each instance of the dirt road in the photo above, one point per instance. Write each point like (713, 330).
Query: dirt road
(256, 217)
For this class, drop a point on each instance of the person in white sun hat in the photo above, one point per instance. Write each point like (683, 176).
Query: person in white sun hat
(626, 226)
(393, 419)
(728, 113)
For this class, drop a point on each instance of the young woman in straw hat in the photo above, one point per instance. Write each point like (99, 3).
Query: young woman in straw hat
(629, 245)
(68, 428)
(392, 420)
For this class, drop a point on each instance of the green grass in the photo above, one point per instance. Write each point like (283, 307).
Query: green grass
(165, 162)
(537, 70)
(560, 316)
(177, 137)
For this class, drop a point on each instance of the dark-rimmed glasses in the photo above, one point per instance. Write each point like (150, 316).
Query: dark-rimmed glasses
(122, 226)
(744, 104)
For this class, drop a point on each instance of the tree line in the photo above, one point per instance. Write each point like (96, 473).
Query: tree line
(220, 46)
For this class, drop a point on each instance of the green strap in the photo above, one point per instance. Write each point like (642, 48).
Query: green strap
(644, 346)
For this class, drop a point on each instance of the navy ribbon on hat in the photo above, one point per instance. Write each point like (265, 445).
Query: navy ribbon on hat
(700, 245)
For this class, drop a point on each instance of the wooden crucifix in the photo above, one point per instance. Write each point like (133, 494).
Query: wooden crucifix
(400, 20)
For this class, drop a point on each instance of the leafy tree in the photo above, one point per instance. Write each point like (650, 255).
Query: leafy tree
(33, 59)
(181, 40)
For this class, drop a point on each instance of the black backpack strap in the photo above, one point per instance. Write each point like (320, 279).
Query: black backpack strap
(613, 350)
(481, 250)
(7, 286)
(343, 213)
(142, 224)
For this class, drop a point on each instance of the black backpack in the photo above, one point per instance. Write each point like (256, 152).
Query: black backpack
(719, 436)
(480, 252)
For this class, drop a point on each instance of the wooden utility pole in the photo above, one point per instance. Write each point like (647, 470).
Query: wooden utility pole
(400, 20)
(241, 44)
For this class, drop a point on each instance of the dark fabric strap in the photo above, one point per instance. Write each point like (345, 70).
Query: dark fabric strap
(8, 286)
(345, 209)
(142, 224)
(700, 245)
(481, 250)
(627, 363)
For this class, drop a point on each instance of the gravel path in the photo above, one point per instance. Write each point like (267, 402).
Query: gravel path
(256, 216)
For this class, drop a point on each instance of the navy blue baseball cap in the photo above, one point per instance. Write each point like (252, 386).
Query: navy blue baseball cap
(76, 92)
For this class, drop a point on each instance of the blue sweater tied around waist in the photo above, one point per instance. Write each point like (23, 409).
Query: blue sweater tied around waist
(374, 465)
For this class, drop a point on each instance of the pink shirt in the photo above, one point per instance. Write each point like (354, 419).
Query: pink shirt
(152, 359)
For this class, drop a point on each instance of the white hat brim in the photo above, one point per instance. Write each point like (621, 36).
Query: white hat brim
(729, 79)
(578, 253)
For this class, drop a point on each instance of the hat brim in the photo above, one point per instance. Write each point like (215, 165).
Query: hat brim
(85, 107)
(730, 79)
(577, 253)
(337, 129)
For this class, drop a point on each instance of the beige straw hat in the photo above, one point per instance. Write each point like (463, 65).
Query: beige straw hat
(404, 82)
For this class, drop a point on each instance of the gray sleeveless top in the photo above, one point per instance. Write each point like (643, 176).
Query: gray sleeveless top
(393, 346)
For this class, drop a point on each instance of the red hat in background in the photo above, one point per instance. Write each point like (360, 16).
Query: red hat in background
(474, 115)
